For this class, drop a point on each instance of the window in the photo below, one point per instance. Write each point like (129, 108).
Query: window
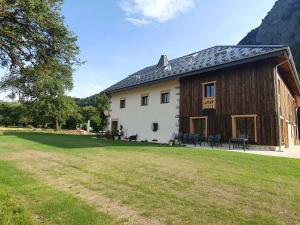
(165, 97)
(145, 100)
(209, 90)
(245, 126)
(198, 125)
(123, 103)
(209, 95)
(154, 127)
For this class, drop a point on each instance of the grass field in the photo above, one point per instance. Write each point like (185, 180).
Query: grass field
(64, 179)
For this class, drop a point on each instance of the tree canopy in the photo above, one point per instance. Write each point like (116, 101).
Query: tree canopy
(39, 54)
(35, 47)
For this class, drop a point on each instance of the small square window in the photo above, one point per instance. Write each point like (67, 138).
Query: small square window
(122, 103)
(165, 97)
(145, 100)
(155, 127)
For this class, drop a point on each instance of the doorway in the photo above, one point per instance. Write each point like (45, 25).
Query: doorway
(198, 125)
(245, 125)
(114, 126)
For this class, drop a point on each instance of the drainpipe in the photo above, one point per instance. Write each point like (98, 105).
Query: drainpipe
(277, 102)
(297, 127)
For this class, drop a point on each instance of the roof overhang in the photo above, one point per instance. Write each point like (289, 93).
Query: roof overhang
(287, 69)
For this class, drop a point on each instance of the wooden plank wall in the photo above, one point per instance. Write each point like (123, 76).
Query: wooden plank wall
(287, 108)
(240, 90)
(287, 102)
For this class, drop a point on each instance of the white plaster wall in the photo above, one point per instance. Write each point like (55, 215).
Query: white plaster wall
(137, 119)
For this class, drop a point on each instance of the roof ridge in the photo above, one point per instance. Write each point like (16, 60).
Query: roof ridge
(253, 46)
(192, 53)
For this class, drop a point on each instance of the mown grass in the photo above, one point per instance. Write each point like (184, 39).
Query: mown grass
(173, 185)
(23, 200)
(11, 213)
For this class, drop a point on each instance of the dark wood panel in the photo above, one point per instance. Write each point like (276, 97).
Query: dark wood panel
(240, 90)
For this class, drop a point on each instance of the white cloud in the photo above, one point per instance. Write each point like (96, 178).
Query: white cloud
(138, 22)
(141, 12)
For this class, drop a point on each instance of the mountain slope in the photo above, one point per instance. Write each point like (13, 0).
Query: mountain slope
(280, 26)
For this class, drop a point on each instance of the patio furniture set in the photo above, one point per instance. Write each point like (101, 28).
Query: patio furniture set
(211, 141)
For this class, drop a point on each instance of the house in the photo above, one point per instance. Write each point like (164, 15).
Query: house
(227, 90)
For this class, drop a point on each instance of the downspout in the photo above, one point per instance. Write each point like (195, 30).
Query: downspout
(297, 127)
(277, 102)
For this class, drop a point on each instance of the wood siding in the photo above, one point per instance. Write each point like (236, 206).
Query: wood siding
(287, 102)
(287, 109)
(241, 90)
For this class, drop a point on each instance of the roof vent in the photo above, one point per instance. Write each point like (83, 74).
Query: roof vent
(163, 61)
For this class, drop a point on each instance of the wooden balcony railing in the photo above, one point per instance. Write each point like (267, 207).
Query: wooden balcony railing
(209, 103)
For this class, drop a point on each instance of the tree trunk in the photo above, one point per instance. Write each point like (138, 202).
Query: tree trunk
(56, 124)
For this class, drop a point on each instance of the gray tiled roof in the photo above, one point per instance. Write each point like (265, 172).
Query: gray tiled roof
(198, 61)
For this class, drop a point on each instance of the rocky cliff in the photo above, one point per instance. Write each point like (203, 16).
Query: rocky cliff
(280, 26)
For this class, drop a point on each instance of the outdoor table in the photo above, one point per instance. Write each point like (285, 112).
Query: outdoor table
(237, 141)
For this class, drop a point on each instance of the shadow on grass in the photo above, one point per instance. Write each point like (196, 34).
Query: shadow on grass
(73, 141)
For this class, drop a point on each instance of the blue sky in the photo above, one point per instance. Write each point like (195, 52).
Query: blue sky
(119, 37)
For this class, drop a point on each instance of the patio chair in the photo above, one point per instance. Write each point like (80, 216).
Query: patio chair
(243, 140)
(217, 140)
(197, 139)
(210, 141)
(203, 139)
(185, 138)
(179, 137)
(190, 139)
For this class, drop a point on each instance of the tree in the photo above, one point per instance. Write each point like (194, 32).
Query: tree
(33, 32)
(12, 113)
(102, 105)
(53, 109)
(91, 113)
(74, 119)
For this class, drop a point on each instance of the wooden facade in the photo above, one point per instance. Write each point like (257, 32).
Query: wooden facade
(287, 110)
(248, 89)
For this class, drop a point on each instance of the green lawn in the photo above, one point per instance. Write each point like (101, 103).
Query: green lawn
(64, 179)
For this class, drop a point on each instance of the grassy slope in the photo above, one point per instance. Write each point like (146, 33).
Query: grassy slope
(176, 185)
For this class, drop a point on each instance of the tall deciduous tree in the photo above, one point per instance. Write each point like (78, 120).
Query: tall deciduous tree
(102, 105)
(36, 47)
(53, 109)
(32, 32)
(40, 53)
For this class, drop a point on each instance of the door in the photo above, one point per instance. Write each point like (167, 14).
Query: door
(245, 126)
(286, 133)
(114, 126)
(291, 135)
(198, 125)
